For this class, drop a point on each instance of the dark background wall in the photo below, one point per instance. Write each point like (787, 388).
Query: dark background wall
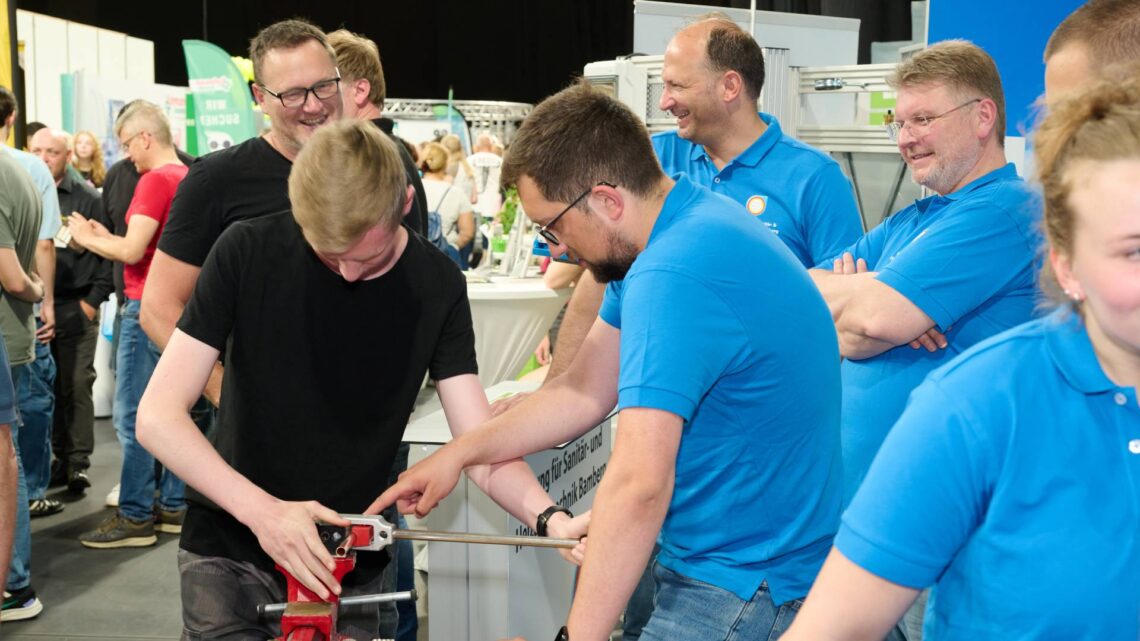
(517, 50)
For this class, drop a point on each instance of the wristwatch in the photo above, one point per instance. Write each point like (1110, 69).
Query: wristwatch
(563, 635)
(540, 522)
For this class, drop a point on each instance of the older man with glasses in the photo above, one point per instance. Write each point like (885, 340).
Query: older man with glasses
(944, 273)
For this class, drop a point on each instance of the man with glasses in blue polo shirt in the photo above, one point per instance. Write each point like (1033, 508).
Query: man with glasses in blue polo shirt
(942, 274)
(726, 385)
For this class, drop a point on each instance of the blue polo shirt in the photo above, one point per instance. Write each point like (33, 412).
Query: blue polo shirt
(1013, 482)
(721, 326)
(798, 191)
(969, 261)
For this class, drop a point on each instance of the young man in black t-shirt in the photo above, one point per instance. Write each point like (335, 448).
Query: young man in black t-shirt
(329, 317)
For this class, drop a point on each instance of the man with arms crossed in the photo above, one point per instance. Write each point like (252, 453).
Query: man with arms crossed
(696, 391)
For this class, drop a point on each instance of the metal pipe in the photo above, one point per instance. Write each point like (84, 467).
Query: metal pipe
(278, 608)
(486, 539)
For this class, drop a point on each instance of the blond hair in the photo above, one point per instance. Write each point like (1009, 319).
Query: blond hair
(1100, 124)
(358, 58)
(1108, 29)
(98, 169)
(961, 65)
(347, 179)
(456, 157)
(141, 115)
(433, 157)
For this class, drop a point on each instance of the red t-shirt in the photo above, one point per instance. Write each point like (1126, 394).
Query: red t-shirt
(152, 199)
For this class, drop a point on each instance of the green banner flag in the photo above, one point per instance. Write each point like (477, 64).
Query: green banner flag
(223, 112)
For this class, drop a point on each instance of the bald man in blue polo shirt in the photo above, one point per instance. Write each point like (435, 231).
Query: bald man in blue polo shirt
(948, 271)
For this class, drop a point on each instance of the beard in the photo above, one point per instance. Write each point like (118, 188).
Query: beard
(617, 263)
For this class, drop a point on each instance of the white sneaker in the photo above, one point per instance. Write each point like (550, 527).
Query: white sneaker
(113, 497)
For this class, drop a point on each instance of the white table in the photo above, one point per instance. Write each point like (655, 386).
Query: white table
(490, 592)
(510, 316)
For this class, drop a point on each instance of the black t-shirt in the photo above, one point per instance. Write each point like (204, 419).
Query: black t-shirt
(321, 374)
(417, 217)
(245, 181)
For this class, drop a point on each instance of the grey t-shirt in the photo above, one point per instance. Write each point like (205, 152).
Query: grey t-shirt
(20, 214)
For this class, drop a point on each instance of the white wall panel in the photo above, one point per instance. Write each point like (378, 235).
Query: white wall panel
(51, 62)
(140, 60)
(112, 55)
(82, 47)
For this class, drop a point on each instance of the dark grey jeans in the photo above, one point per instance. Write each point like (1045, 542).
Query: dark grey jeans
(220, 598)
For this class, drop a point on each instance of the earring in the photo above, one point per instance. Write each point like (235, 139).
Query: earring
(1074, 296)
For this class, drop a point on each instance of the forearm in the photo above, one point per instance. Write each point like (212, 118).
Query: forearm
(115, 248)
(8, 481)
(102, 284)
(166, 431)
(513, 486)
(856, 346)
(45, 267)
(553, 415)
(581, 313)
(466, 230)
(626, 518)
(839, 290)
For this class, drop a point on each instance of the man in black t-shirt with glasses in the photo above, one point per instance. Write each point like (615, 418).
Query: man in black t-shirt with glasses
(330, 316)
(297, 85)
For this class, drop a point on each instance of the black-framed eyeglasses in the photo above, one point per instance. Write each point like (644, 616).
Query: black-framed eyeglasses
(124, 145)
(921, 123)
(294, 98)
(544, 230)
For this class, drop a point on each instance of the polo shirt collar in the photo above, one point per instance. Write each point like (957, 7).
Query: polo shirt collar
(1001, 173)
(756, 151)
(676, 202)
(1068, 344)
(67, 183)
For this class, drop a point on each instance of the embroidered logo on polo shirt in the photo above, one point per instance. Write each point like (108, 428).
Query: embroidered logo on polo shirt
(757, 204)
(1134, 446)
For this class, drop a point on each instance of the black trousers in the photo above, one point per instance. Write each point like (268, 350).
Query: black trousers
(73, 428)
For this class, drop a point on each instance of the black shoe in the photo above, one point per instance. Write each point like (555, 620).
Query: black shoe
(21, 605)
(77, 481)
(58, 474)
(44, 507)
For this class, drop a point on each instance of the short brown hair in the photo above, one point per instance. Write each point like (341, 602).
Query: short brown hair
(961, 65)
(1100, 124)
(141, 115)
(730, 48)
(1108, 29)
(347, 179)
(578, 137)
(358, 58)
(287, 34)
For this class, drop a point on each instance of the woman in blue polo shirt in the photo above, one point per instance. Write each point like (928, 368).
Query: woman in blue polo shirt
(1012, 481)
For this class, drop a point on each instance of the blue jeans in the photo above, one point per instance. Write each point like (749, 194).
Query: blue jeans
(640, 606)
(686, 609)
(35, 396)
(20, 568)
(137, 357)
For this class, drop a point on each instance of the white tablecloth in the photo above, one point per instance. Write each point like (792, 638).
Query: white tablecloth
(510, 316)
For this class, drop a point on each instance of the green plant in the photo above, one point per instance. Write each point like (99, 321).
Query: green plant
(506, 215)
